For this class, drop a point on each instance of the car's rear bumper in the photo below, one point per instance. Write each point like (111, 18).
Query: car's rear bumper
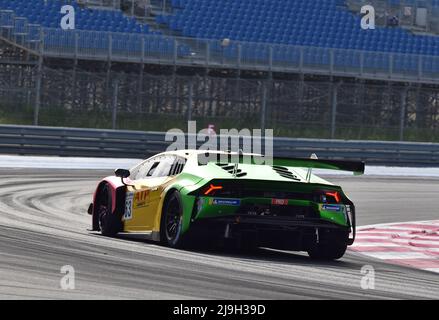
(279, 222)
(275, 232)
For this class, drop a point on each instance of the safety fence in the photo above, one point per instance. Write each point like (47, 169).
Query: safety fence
(32, 140)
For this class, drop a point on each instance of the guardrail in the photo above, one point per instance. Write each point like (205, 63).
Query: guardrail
(32, 140)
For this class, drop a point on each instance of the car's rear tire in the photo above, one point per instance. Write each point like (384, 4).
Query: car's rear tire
(172, 222)
(327, 251)
(109, 222)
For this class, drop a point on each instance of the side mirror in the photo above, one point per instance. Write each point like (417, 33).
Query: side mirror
(122, 173)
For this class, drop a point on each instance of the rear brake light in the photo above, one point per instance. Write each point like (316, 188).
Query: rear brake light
(212, 188)
(329, 196)
(335, 195)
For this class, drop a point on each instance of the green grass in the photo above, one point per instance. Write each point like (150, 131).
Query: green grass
(23, 115)
(13, 115)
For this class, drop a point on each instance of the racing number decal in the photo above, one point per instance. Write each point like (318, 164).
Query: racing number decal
(128, 214)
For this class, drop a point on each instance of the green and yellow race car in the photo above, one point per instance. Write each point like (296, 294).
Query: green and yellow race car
(186, 197)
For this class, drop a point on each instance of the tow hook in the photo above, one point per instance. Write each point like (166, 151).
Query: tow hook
(227, 232)
(317, 235)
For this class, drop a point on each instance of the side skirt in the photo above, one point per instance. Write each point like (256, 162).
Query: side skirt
(151, 235)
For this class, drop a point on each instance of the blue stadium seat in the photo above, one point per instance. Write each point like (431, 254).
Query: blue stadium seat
(46, 15)
(254, 23)
(297, 22)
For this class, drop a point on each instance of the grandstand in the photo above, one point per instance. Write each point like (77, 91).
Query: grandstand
(48, 14)
(305, 23)
(264, 35)
(213, 59)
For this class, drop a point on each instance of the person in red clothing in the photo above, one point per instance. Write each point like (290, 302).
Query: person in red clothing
(211, 130)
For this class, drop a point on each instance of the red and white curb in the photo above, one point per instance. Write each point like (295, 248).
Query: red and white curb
(412, 244)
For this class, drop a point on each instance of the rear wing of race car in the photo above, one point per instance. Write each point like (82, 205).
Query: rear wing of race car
(357, 167)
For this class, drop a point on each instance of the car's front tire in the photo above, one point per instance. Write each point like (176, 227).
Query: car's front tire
(327, 251)
(109, 222)
(172, 222)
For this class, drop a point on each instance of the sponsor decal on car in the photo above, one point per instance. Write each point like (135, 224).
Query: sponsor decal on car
(330, 207)
(279, 202)
(140, 199)
(225, 202)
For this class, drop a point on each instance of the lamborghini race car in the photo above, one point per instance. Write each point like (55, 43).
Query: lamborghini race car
(179, 198)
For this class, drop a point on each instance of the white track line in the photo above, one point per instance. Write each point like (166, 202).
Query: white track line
(65, 163)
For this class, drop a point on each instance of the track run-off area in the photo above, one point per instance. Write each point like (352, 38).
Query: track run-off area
(44, 226)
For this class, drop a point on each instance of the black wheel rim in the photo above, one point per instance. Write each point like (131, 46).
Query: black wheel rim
(103, 208)
(102, 215)
(172, 220)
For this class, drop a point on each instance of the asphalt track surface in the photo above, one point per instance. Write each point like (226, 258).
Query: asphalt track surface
(43, 226)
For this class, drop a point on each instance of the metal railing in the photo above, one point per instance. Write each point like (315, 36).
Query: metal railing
(31, 140)
(239, 55)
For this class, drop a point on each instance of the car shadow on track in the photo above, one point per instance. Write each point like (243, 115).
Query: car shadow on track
(260, 255)
(275, 256)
